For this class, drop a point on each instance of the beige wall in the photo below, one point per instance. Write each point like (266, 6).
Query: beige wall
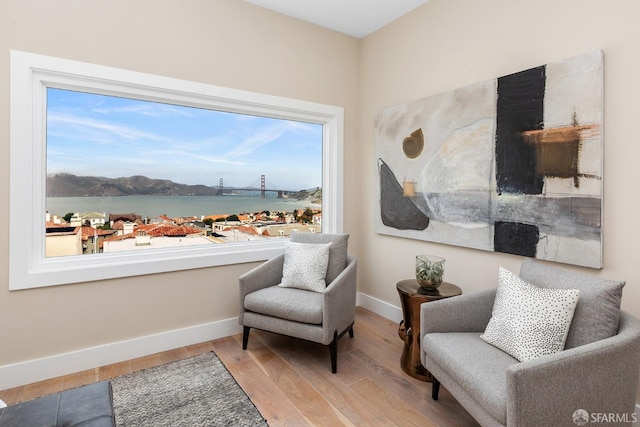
(445, 45)
(222, 42)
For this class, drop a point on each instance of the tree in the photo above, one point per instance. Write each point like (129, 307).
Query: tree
(306, 217)
(68, 216)
(233, 217)
(308, 214)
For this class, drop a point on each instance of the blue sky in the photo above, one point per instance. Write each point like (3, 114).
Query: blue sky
(97, 135)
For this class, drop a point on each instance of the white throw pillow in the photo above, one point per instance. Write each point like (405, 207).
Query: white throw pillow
(305, 266)
(527, 321)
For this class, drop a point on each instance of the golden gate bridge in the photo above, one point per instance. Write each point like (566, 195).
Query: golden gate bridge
(222, 190)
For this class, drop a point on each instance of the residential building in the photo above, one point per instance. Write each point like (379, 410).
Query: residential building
(63, 239)
(93, 219)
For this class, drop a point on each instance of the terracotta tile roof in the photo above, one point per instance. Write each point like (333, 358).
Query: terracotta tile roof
(182, 220)
(243, 229)
(159, 230)
(50, 224)
(131, 217)
(170, 230)
(90, 232)
(116, 238)
(166, 218)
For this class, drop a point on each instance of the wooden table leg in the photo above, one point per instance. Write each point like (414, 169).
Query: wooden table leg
(409, 332)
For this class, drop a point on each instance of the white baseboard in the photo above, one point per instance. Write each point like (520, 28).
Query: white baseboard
(379, 307)
(30, 371)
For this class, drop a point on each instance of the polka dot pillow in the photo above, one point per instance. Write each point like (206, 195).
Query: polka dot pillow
(305, 266)
(527, 321)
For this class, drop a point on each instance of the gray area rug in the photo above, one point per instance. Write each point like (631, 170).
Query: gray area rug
(198, 391)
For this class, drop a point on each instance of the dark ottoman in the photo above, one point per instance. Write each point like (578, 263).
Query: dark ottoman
(89, 405)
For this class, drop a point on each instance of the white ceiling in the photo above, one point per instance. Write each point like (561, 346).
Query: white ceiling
(357, 18)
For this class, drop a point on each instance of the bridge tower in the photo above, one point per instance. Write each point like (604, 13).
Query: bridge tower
(262, 186)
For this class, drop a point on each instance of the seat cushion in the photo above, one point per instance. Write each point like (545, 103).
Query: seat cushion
(337, 250)
(597, 312)
(476, 366)
(287, 303)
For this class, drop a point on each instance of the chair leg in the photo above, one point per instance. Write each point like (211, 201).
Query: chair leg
(245, 337)
(435, 388)
(333, 349)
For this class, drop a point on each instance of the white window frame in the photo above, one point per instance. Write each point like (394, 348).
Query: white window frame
(32, 74)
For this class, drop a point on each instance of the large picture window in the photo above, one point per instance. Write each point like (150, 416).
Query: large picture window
(117, 173)
(126, 175)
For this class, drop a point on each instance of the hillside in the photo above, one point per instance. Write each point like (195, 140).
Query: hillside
(312, 196)
(68, 185)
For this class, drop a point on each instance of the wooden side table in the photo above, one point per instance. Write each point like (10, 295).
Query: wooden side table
(412, 295)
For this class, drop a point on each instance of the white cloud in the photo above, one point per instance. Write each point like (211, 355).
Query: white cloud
(265, 136)
(117, 130)
(147, 109)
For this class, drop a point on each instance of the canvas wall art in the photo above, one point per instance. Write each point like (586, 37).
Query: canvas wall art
(512, 164)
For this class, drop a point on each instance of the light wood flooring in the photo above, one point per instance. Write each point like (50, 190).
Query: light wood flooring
(291, 383)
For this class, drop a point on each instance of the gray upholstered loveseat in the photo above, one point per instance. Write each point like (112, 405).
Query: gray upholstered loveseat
(595, 377)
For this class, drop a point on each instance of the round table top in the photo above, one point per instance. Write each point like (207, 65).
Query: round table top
(411, 288)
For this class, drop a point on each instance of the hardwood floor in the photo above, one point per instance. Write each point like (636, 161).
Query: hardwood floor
(291, 383)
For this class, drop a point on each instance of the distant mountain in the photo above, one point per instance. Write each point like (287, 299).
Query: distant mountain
(68, 185)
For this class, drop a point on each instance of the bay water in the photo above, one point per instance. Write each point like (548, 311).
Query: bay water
(174, 206)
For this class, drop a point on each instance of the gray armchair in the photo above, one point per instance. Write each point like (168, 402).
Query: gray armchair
(597, 372)
(318, 317)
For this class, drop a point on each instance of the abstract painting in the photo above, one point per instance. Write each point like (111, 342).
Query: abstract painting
(512, 164)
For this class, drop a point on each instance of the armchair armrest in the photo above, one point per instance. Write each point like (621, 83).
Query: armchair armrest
(264, 275)
(464, 313)
(600, 377)
(340, 301)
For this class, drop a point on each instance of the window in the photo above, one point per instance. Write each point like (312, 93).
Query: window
(130, 166)
(34, 78)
